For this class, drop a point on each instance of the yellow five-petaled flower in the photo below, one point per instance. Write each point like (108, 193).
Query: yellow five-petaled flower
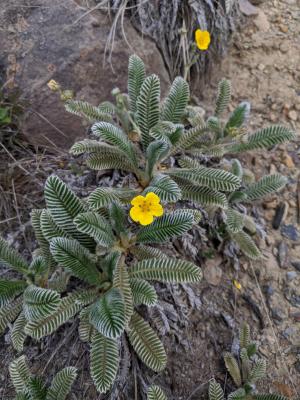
(145, 208)
(202, 39)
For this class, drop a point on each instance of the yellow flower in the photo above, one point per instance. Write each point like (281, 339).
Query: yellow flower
(53, 85)
(145, 208)
(202, 39)
(237, 284)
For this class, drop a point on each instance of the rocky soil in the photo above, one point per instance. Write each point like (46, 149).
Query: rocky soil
(264, 68)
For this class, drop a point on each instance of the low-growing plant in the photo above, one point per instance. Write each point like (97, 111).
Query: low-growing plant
(168, 146)
(245, 369)
(29, 387)
(95, 242)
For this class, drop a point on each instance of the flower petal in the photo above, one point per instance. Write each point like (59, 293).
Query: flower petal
(157, 210)
(135, 213)
(146, 218)
(136, 201)
(202, 39)
(152, 197)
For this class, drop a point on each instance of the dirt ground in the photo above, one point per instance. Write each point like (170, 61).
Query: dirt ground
(264, 68)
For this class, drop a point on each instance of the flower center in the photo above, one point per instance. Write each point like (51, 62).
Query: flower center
(145, 207)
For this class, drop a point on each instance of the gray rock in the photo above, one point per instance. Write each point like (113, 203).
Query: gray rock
(296, 265)
(282, 255)
(291, 275)
(52, 43)
(290, 232)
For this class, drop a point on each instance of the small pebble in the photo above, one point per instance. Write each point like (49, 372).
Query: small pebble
(291, 275)
(282, 255)
(290, 232)
(280, 214)
(292, 114)
(296, 264)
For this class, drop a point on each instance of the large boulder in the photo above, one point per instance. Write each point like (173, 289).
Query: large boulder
(55, 42)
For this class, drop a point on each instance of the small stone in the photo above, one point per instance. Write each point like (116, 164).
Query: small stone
(290, 232)
(291, 275)
(270, 205)
(296, 316)
(261, 22)
(261, 67)
(283, 47)
(273, 117)
(288, 161)
(280, 214)
(292, 114)
(296, 265)
(213, 274)
(282, 255)
(284, 28)
(273, 169)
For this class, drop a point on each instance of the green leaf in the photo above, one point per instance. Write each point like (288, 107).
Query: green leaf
(215, 391)
(11, 258)
(40, 303)
(61, 384)
(121, 282)
(142, 292)
(246, 245)
(155, 393)
(87, 110)
(64, 206)
(76, 259)
(236, 168)
(238, 117)
(118, 218)
(9, 312)
(174, 105)
(68, 308)
(102, 197)
(105, 197)
(9, 290)
(166, 227)
(96, 226)
(109, 157)
(258, 371)
(108, 314)
(191, 136)
(39, 267)
(166, 270)
(272, 396)
(156, 151)
(235, 220)
(214, 125)
(213, 178)
(266, 185)
(244, 335)
(143, 252)
(115, 136)
(19, 373)
(36, 388)
(165, 188)
(50, 229)
(202, 195)
(104, 362)
(85, 329)
(239, 394)
(264, 138)
(147, 107)
(136, 77)
(223, 97)
(233, 368)
(36, 223)
(146, 343)
(18, 334)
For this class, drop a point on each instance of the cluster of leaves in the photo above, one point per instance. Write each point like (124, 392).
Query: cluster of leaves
(245, 370)
(94, 242)
(167, 146)
(29, 387)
